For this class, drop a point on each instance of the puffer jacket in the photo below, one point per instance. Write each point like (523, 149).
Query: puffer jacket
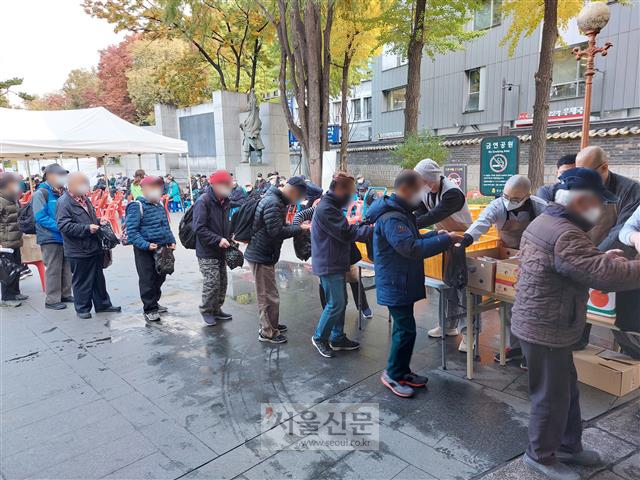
(147, 223)
(270, 229)
(10, 234)
(558, 265)
(44, 211)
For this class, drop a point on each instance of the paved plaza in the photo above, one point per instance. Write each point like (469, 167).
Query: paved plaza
(111, 397)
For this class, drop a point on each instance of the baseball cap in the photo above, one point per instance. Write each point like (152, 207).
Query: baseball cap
(585, 179)
(55, 169)
(299, 183)
(152, 180)
(220, 176)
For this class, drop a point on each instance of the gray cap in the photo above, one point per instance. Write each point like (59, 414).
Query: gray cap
(55, 169)
(429, 170)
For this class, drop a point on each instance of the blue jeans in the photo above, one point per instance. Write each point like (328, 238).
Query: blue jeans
(331, 323)
(403, 338)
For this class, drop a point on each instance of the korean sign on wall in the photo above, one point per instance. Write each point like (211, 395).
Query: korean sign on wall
(457, 174)
(498, 161)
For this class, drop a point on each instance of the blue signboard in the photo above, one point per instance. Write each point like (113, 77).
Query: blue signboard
(333, 134)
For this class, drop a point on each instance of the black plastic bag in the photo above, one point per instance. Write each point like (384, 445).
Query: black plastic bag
(302, 245)
(455, 267)
(233, 256)
(165, 261)
(9, 270)
(108, 238)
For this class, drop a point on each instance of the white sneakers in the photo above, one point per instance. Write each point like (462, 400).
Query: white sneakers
(437, 333)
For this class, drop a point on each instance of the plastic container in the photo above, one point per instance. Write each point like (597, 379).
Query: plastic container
(362, 247)
(433, 266)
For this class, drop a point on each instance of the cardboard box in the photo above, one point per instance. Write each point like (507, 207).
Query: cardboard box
(608, 371)
(602, 303)
(481, 269)
(507, 272)
(30, 251)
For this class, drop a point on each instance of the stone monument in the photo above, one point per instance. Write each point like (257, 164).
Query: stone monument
(251, 128)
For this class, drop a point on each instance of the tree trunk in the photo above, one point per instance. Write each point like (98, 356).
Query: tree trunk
(543, 78)
(254, 62)
(344, 121)
(414, 59)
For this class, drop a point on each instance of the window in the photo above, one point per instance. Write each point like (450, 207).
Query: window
(367, 107)
(395, 98)
(390, 59)
(335, 112)
(474, 91)
(356, 110)
(487, 15)
(568, 74)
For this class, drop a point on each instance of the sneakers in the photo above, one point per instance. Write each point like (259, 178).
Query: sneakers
(220, 315)
(437, 333)
(400, 390)
(111, 309)
(282, 328)
(67, 299)
(554, 471)
(367, 313)
(152, 316)
(277, 338)
(414, 380)
(510, 354)
(323, 347)
(523, 364)
(585, 458)
(343, 343)
(10, 303)
(25, 272)
(21, 297)
(55, 306)
(208, 318)
(84, 315)
(162, 309)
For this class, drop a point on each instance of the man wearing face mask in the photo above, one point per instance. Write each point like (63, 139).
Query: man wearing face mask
(331, 240)
(443, 203)
(48, 236)
(10, 234)
(148, 230)
(213, 231)
(399, 251)
(564, 163)
(79, 226)
(269, 230)
(511, 214)
(614, 215)
(559, 262)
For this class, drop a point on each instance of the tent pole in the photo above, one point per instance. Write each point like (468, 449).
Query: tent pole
(29, 175)
(140, 161)
(189, 179)
(77, 164)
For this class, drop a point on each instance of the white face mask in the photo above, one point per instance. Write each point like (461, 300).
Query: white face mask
(511, 205)
(82, 190)
(58, 181)
(416, 198)
(154, 195)
(592, 215)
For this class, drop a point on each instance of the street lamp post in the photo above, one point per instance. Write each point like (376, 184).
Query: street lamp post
(592, 18)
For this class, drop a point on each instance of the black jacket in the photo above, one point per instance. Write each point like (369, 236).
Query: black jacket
(73, 222)
(211, 224)
(270, 229)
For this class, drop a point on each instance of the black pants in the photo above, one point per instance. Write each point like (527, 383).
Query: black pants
(354, 291)
(555, 422)
(87, 281)
(10, 290)
(149, 280)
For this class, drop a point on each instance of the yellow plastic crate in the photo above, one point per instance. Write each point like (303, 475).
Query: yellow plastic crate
(433, 266)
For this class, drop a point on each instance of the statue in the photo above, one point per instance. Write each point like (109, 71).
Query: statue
(251, 140)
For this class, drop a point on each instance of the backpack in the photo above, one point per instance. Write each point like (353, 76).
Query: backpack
(185, 230)
(242, 220)
(26, 217)
(124, 240)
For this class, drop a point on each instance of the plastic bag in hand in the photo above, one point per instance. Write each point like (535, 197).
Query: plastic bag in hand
(233, 256)
(9, 270)
(165, 261)
(108, 238)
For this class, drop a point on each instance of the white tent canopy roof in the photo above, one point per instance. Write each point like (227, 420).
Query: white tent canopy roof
(88, 132)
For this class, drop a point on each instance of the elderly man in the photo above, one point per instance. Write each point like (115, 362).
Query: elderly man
(615, 214)
(331, 240)
(559, 262)
(511, 214)
(564, 163)
(44, 202)
(269, 230)
(399, 253)
(79, 225)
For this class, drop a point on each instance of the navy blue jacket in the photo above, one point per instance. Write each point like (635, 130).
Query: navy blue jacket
(399, 250)
(148, 224)
(332, 236)
(211, 224)
(73, 223)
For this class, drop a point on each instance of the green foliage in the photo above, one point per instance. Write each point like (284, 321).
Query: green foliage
(418, 146)
(5, 89)
(446, 23)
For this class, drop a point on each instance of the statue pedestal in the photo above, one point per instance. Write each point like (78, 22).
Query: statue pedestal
(248, 172)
